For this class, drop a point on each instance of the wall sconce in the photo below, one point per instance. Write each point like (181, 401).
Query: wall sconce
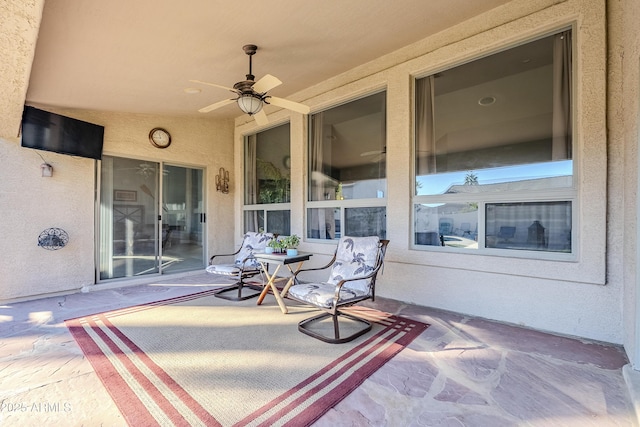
(47, 169)
(222, 181)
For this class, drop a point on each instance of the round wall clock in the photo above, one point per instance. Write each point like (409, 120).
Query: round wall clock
(160, 138)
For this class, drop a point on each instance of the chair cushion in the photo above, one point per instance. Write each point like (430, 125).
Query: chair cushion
(322, 294)
(226, 269)
(253, 242)
(355, 256)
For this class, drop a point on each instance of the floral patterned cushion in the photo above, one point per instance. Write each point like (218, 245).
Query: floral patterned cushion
(253, 242)
(355, 256)
(322, 294)
(226, 269)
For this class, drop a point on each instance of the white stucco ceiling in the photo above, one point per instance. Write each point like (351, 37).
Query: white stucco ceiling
(138, 56)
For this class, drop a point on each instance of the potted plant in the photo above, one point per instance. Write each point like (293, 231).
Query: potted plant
(274, 246)
(291, 244)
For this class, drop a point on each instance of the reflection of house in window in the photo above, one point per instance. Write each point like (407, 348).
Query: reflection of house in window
(515, 141)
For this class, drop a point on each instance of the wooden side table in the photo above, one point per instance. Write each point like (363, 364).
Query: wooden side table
(293, 264)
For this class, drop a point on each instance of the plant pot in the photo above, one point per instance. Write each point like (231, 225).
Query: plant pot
(292, 252)
(268, 250)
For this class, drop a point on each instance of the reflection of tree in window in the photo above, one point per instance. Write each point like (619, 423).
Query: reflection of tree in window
(273, 183)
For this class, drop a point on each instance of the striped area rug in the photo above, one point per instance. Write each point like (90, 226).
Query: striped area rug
(201, 360)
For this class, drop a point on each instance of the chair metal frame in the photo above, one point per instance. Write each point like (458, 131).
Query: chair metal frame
(335, 311)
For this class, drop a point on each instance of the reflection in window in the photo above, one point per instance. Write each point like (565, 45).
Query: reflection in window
(537, 226)
(279, 222)
(254, 220)
(347, 166)
(274, 221)
(506, 118)
(448, 224)
(323, 223)
(267, 190)
(360, 222)
(497, 127)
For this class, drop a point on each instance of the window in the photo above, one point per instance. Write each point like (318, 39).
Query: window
(267, 189)
(493, 153)
(347, 170)
(520, 226)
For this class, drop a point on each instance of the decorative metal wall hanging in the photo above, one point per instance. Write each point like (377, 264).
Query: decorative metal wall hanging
(222, 181)
(53, 239)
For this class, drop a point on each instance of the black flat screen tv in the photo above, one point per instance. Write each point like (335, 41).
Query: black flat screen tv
(48, 131)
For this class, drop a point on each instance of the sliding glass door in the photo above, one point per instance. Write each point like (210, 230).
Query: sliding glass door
(150, 218)
(183, 218)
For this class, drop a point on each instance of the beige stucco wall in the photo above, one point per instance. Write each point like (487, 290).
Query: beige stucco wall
(19, 25)
(566, 297)
(624, 112)
(31, 203)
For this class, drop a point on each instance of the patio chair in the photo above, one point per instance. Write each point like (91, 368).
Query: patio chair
(446, 226)
(244, 267)
(506, 233)
(354, 268)
(464, 230)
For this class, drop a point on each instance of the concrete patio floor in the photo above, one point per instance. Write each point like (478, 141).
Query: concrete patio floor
(462, 371)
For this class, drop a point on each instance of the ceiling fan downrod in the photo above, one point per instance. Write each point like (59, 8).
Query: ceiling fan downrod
(250, 49)
(249, 100)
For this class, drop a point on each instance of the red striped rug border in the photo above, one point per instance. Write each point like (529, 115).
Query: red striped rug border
(395, 336)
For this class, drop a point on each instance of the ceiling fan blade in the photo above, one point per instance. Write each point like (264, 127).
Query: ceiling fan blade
(377, 158)
(266, 83)
(289, 105)
(212, 84)
(216, 105)
(371, 153)
(261, 118)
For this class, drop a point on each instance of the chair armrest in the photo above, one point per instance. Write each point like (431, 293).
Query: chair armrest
(342, 282)
(244, 261)
(221, 255)
(324, 267)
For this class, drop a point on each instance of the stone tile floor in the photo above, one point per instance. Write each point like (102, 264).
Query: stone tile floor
(462, 371)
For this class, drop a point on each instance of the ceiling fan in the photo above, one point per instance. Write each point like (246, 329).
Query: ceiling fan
(375, 155)
(252, 95)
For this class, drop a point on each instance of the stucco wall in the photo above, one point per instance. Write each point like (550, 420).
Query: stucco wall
(19, 25)
(565, 297)
(624, 111)
(31, 203)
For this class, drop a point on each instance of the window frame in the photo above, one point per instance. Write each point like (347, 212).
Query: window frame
(568, 194)
(264, 207)
(345, 203)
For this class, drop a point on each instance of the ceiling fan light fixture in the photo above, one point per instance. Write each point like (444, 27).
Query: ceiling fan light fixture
(252, 95)
(250, 103)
